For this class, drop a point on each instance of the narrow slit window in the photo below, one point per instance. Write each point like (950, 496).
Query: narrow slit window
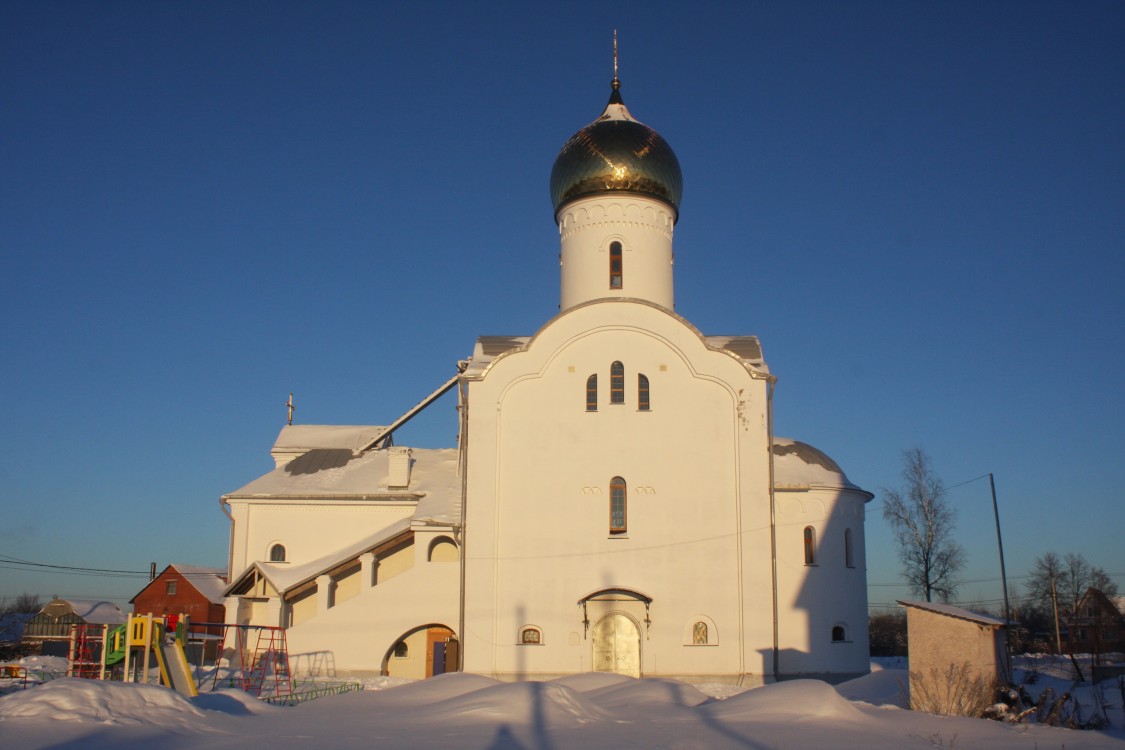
(642, 393)
(592, 393)
(617, 383)
(810, 546)
(615, 265)
(617, 505)
(848, 559)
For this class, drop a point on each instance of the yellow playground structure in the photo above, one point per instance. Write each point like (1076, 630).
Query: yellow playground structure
(104, 652)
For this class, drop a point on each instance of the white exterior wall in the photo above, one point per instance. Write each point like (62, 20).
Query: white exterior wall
(308, 529)
(642, 225)
(812, 599)
(539, 467)
(359, 632)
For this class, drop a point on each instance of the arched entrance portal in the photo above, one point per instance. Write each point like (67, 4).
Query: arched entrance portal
(617, 645)
(423, 652)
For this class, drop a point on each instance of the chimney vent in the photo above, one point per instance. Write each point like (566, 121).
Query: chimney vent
(399, 470)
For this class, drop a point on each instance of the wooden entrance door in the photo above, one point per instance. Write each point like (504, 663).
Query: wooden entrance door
(617, 646)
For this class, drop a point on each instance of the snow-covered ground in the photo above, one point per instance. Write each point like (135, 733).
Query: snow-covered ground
(588, 711)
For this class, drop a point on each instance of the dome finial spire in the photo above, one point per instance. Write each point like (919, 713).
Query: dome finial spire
(615, 95)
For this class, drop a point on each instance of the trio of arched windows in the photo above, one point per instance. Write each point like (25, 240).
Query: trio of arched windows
(809, 541)
(617, 389)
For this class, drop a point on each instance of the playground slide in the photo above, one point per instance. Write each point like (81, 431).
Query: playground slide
(175, 668)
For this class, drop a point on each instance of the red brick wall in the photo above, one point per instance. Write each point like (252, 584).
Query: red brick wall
(155, 600)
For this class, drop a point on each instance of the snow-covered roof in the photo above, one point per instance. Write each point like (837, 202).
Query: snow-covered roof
(303, 437)
(211, 582)
(433, 475)
(950, 611)
(746, 348)
(284, 577)
(799, 465)
(11, 626)
(94, 611)
(488, 348)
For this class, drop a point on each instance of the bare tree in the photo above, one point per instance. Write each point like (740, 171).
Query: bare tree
(1056, 584)
(1043, 584)
(20, 604)
(923, 524)
(1080, 576)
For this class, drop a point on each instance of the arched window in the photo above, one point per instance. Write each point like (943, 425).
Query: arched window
(839, 634)
(848, 560)
(810, 546)
(592, 393)
(617, 383)
(642, 393)
(277, 553)
(401, 651)
(531, 636)
(617, 505)
(615, 265)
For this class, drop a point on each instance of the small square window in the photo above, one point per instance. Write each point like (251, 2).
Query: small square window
(169, 587)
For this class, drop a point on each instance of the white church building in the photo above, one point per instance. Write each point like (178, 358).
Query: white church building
(616, 501)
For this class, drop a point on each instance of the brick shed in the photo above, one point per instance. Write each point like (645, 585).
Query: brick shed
(943, 639)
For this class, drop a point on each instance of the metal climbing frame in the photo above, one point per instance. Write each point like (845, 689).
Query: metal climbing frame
(84, 657)
(258, 658)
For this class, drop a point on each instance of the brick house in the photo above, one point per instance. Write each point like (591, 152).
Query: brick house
(189, 590)
(1096, 626)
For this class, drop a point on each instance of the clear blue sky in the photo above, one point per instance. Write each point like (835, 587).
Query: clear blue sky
(918, 207)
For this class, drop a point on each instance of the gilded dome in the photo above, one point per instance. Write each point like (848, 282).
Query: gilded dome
(616, 153)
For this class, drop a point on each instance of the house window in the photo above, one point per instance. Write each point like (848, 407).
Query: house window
(839, 635)
(615, 265)
(810, 546)
(400, 650)
(699, 633)
(848, 549)
(169, 587)
(592, 393)
(277, 553)
(617, 383)
(531, 636)
(642, 393)
(617, 506)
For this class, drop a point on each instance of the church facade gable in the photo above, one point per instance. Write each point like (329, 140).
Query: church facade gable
(664, 490)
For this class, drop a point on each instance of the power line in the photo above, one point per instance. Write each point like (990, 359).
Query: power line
(27, 564)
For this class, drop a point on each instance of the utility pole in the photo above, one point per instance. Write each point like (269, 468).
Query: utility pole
(1003, 578)
(1055, 604)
